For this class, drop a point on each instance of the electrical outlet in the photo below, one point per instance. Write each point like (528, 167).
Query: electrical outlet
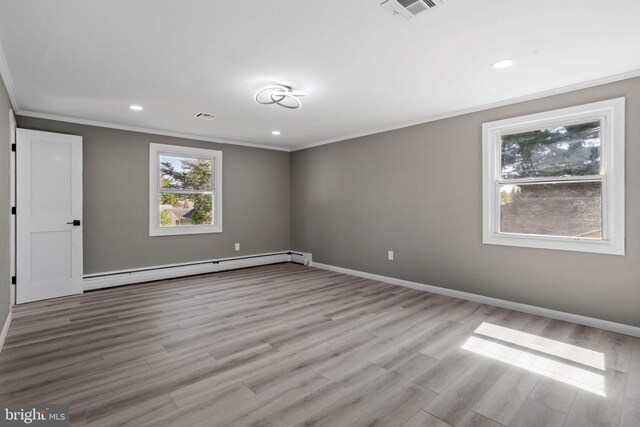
(390, 255)
(237, 247)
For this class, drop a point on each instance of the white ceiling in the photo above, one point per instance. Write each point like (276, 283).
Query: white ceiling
(364, 70)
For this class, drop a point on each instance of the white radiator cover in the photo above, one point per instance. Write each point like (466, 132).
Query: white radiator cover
(127, 277)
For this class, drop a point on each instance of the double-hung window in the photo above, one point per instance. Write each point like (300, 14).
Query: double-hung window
(555, 180)
(185, 190)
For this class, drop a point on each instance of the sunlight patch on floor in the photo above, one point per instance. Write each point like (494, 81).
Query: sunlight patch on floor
(570, 352)
(562, 372)
(582, 378)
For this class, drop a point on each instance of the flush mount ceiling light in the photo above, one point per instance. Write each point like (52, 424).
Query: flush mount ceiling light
(275, 132)
(503, 63)
(136, 107)
(281, 95)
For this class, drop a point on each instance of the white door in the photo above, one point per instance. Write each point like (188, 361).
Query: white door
(49, 215)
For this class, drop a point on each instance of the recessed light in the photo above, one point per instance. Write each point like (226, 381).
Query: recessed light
(135, 107)
(503, 63)
(275, 132)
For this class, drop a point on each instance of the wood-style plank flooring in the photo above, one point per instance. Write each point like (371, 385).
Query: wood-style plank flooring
(287, 345)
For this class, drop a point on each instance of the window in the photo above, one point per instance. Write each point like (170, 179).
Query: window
(555, 180)
(185, 190)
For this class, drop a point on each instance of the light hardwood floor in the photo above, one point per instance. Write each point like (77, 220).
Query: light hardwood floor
(288, 345)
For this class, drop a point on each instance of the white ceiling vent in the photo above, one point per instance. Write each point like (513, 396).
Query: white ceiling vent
(407, 9)
(205, 116)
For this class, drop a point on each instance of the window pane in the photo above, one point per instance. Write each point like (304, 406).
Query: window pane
(553, 209)
(185, 209)
(186, 173)
(559, 151)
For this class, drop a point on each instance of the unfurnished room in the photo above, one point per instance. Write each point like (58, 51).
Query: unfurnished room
(398, 213)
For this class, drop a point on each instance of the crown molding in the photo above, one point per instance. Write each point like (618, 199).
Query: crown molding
(6, 76)
(511, 101)
(109, 125)
(8, 81)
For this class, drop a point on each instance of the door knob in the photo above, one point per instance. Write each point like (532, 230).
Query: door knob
(75, 222)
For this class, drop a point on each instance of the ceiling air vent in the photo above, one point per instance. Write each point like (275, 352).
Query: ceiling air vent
(205, 116)
(407, 9)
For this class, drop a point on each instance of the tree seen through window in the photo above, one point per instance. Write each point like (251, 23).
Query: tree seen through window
(191, 201)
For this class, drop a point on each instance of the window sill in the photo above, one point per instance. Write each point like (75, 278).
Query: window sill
(185, 230)
(556, 243)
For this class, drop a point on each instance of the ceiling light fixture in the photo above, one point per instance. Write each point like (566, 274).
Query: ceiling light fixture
(275, 132)
(135, 107)
(503, 63)
(281, 95)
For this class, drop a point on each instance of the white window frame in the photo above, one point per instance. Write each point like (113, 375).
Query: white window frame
(611, 114)
(157, 150)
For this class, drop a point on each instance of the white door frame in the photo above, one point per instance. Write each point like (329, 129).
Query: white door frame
(12, 203)
(49, 202)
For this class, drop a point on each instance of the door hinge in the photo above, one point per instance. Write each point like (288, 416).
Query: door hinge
(13, 280)
(13, 210)
(13, 147)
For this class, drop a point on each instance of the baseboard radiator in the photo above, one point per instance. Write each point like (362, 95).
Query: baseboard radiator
(119, 278)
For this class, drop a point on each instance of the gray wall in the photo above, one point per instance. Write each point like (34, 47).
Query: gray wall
(256, 205)
(418, 191)
(5, 213)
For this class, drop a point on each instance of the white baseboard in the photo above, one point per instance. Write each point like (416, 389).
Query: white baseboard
(140, 275)
(531, 309)
(5, 329)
